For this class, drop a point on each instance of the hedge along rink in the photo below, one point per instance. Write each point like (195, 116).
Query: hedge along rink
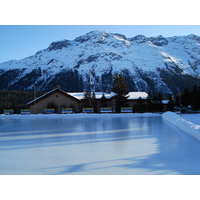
(183, 124)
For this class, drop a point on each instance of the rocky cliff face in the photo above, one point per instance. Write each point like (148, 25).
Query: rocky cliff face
(147, 63)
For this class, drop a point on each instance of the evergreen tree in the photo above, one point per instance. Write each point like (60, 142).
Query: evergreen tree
(94, 102)
(170, 103)
(87, 98)
(186, 97)
(140, 105)
(195, 98)
(119, 87)
(160, 98)
(149, 100)
(155, 99)
(149, 95)
(157, 102)
(103, 101)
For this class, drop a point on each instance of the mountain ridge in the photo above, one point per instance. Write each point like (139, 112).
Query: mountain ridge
(165, 64)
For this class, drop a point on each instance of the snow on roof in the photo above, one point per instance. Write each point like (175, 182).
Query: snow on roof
(51, 92)
(80, 95)
(137, 95)
(98, 95)
(165, 101)
(132, 95)
(41, 96)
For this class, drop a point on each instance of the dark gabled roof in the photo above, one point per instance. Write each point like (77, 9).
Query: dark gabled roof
(51, 92)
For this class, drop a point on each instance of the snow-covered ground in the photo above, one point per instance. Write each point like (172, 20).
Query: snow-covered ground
(95, 144)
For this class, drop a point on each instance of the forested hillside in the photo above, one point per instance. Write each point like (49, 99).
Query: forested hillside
(16, 99)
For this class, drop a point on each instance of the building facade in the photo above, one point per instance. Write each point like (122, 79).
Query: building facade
(55, 99)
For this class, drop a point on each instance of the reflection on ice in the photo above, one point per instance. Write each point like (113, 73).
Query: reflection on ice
(26, 135)
(102, 144)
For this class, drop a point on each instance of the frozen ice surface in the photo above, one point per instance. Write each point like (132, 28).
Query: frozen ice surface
(95, 144)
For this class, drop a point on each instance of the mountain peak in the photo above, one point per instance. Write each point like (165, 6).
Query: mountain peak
(99, 36)
(139, 38)
(159, 40)
(59, 45)
(194, 37)
(92, 35)
(147, 63)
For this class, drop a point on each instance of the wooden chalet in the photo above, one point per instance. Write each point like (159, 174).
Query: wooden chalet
(55, 101)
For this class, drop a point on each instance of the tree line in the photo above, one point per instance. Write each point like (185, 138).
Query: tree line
(16, 100)
(189, 98)
(120, 87)
(154, 102)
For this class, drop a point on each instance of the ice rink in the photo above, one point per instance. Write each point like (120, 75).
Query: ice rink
(106, 144)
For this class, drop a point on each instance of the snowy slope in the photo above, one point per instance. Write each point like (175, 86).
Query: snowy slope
(147, 63)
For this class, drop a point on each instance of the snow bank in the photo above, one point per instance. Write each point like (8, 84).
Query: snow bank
(184, 124)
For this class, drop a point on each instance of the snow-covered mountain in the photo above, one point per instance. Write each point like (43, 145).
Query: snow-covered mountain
(147, 63)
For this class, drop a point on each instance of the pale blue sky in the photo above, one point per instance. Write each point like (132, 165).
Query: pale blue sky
(20, 41)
